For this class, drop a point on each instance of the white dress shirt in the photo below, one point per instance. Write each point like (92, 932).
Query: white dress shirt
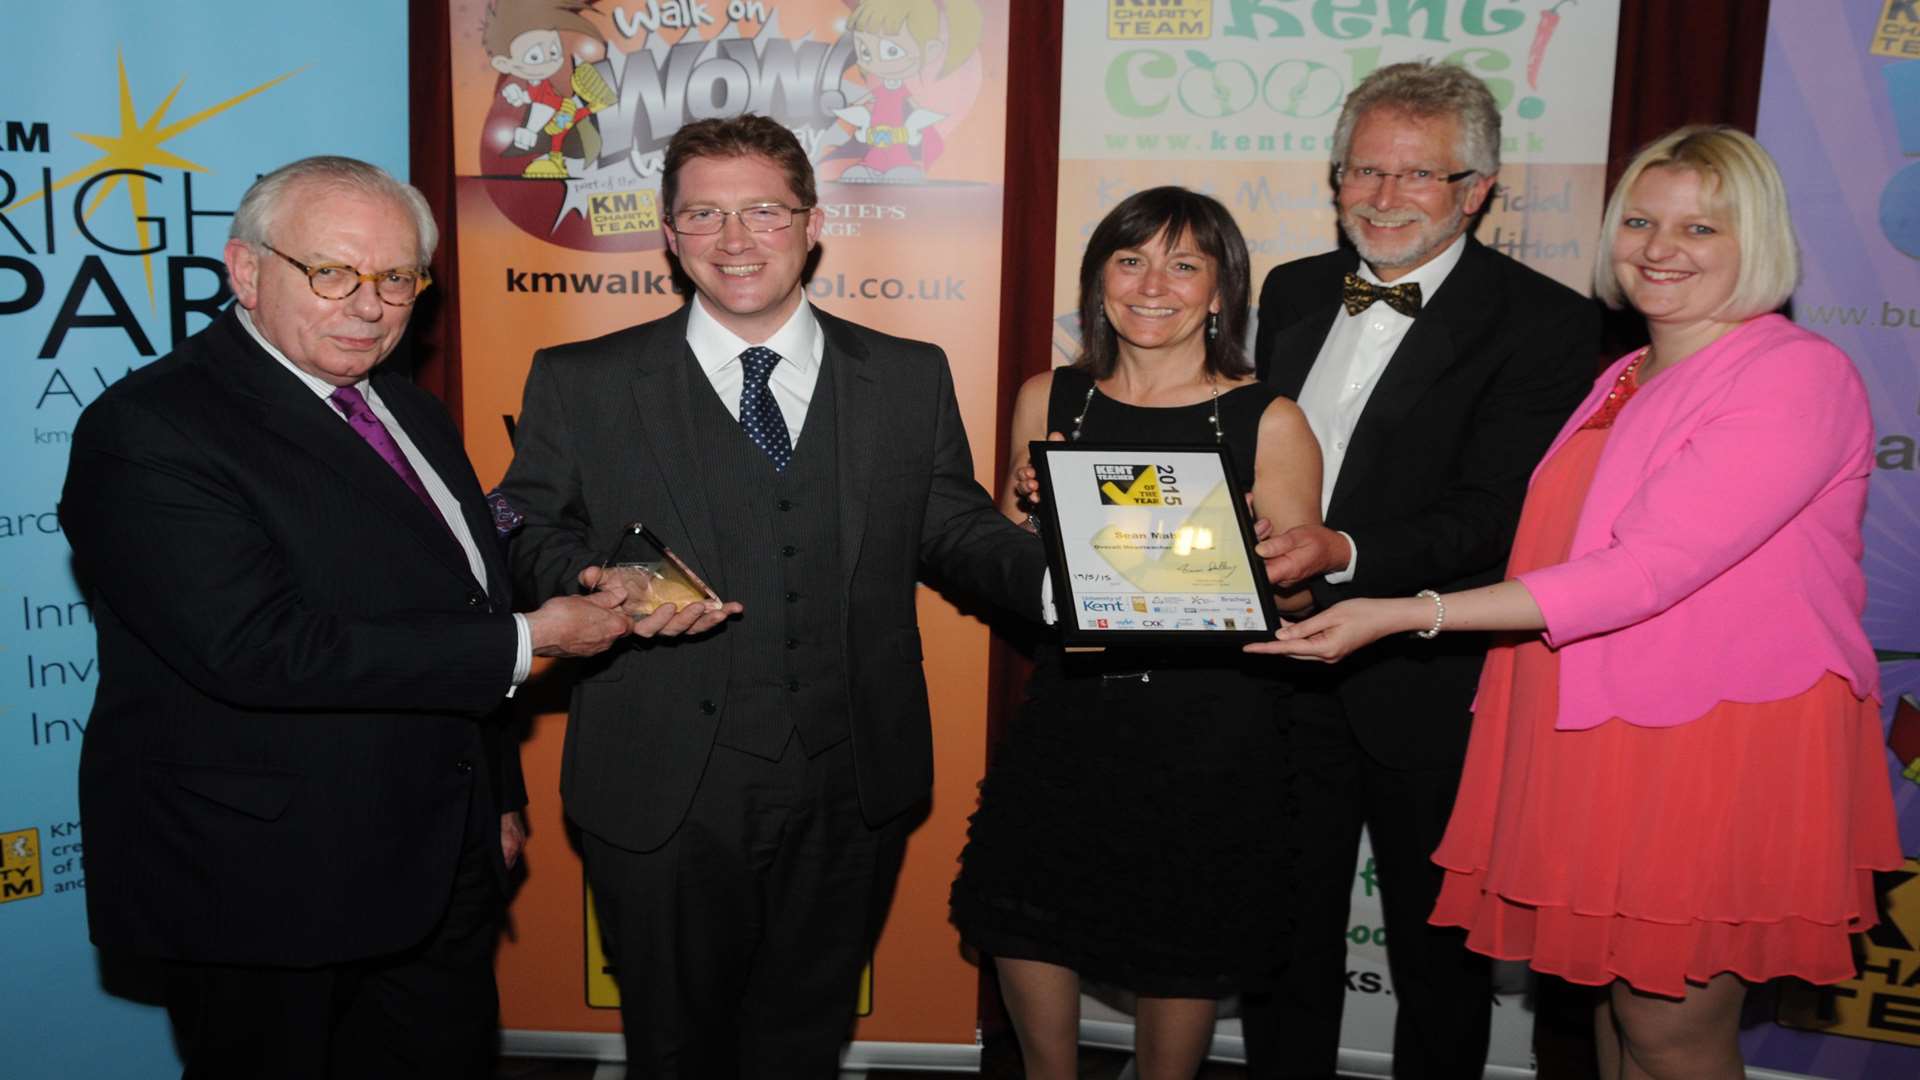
(1351, 361)
(437, 489)
(799, 343)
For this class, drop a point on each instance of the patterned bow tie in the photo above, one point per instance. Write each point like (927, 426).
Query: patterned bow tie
(1359, 294)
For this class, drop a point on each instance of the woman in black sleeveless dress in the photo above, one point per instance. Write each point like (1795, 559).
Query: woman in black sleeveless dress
(1128, 829)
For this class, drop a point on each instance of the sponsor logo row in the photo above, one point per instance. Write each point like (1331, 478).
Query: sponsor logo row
(1146, 611)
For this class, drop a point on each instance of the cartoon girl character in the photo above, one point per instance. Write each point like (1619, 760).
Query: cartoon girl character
(559, 91)
(906, 49)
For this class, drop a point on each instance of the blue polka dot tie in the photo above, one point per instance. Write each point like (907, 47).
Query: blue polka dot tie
(759, 413)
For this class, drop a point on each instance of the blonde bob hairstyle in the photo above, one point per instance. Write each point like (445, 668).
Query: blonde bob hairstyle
(1739, 184)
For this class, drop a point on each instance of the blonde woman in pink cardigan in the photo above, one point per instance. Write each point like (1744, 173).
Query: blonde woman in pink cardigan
(1676, 784)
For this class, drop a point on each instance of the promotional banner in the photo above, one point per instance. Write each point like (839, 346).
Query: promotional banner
(128, 132)
(1840, 112)
(562, 113)
(1239, 98)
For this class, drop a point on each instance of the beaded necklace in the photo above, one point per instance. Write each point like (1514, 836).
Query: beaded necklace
(1086, 403)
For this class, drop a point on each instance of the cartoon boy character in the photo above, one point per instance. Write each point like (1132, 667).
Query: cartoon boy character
(558, 89)
(896, 41)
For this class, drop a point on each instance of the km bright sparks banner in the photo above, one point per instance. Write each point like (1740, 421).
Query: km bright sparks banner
(1840, 112)
(1239, 98)
(128, 132)
(561, 120)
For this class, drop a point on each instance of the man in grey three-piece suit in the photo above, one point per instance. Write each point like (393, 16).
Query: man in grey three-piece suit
(745, 779)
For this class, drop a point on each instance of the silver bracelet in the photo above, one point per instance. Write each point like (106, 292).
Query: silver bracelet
(1439, 614)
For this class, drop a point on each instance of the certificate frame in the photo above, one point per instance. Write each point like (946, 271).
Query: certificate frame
(1130, 596)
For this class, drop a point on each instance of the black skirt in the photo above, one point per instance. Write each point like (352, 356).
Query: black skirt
(1133, 828)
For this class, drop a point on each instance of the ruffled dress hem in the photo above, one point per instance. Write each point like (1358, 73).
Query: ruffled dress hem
(1742, 841)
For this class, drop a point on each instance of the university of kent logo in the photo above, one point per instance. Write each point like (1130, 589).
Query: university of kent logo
(20, 876)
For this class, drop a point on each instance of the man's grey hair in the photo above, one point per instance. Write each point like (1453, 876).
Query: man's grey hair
(260, 207)
(1423, 88)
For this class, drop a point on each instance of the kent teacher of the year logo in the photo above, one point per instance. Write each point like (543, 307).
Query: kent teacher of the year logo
(1137, 485)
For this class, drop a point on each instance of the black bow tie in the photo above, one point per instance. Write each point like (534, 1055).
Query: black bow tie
(1359, 294)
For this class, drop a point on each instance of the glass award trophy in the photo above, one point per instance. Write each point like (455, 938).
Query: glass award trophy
(652, 574)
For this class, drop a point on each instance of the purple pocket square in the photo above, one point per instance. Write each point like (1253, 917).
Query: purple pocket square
(506, 520)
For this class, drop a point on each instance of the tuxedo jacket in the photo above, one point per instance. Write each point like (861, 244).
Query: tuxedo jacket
(297, 668)
(1437, 467)
(605, 439)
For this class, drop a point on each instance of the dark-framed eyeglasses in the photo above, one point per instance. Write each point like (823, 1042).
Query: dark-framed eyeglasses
(398, 287)
(1411, 180)
(707, 220)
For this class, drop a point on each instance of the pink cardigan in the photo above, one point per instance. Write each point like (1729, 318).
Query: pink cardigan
(1717, 556)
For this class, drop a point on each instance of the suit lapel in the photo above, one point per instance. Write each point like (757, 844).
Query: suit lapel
(1295, 349)
(289, 410)
(858, 406)
(448, 461)
(1296, 346)
(662, 388)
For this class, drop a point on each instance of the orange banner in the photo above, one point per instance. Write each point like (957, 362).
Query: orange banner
(557, 155)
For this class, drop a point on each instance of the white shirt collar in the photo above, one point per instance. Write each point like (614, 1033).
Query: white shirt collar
(1428, 275)
(798, 341)
(314, 383)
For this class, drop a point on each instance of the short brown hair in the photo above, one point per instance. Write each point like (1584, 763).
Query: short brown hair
(508, 19)
(746, 135)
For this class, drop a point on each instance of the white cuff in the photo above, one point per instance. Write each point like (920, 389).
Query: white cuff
(1047, 613)
(522, 652)
(1341, 577)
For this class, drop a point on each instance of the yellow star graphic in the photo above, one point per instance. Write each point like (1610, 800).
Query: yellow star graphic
(137, 146)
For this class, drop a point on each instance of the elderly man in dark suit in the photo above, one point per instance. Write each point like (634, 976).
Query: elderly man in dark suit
(745, 795)
(294, 793)
(1434, 373)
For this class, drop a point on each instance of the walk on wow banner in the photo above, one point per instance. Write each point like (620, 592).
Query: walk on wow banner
(128, 132)
(562, 114)
(1840, 112)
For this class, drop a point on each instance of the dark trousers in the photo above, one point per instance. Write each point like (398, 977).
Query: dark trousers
(738, 944)
(431, 1011)
(1442, 993)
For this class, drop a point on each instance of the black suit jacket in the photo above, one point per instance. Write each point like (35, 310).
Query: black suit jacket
(285, 747)
(1435, 473)
(605, 439)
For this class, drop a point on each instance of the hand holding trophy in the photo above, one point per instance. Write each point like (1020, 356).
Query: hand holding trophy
(664, 596)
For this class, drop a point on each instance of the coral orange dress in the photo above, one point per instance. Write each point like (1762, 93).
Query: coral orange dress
(1743, 841)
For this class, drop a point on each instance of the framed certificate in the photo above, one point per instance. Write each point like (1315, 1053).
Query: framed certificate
(1150, 544)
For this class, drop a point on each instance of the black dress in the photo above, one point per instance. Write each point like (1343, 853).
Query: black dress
(1130, 824)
